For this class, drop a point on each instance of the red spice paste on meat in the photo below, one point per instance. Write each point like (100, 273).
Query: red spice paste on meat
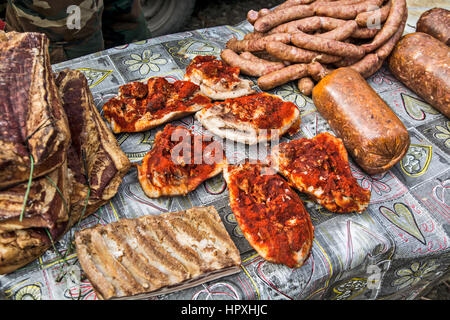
(248, 109)
(160, 160)
(272, 213)
(320, 163)
(213, 69)
(153, 99)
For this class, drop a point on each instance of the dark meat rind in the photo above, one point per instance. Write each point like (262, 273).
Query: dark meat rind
(33, 122)
(422, 63)
(94, 147)
(436, 23)
(372, 133)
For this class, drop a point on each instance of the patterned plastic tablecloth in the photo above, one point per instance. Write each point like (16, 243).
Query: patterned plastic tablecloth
(393, 250)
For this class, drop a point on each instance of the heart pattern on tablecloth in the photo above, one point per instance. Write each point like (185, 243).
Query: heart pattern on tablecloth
(403, 218)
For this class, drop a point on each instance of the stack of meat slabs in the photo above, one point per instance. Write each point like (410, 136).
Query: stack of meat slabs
(58, 160)
(34, 139)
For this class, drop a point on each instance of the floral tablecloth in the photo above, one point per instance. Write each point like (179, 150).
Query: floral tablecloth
(393, 250)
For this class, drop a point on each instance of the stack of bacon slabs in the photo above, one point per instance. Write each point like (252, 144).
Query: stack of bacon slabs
(156, 254)
(217, 79)
(270, 214)
(319, 167)
(179, 162)
(252, 119)
(142, 106)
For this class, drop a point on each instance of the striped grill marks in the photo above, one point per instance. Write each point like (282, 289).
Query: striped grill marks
(136, 256)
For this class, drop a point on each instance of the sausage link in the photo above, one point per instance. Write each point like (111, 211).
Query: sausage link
(247, 67)
(395, 18)
(317, 71)
(329, 46)
(256, 44)
(308, 24)
(305, 86)
(270, 64)
(291, 3)
(297, 55)
(385, 50)
(349, 11)
(282, 76)
(365, 33)
(254, 35)
(371, 132)
(338, 3)
(329, 23)
(372, 62)
(276, 18)
(253, 15)
(342, 32)
(373, 19)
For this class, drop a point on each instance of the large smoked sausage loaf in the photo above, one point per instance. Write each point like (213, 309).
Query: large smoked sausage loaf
(372, 134)
(422, 63)
(435, 22)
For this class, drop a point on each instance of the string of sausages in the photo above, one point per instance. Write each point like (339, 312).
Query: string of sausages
(304, 40)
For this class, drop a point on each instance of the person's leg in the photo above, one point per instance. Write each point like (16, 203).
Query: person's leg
(123, 22)
(72, 26)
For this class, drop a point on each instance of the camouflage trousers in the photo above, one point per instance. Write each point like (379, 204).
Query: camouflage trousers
(79, 27)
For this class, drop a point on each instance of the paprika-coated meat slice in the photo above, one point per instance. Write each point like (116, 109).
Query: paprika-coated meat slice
(179, 162)
(217, 79)
(142, 106)
(320, 168)
(251, 119)
(270, 214)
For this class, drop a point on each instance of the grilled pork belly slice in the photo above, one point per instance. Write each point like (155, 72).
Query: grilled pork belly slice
(96, 162)
(142, 106)
(33, 121)
(137, 256)
(216, 79)
(251, 119)
(319, 167)
(270, 214)
(179, 162)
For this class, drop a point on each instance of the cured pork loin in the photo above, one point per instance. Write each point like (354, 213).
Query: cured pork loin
(32, 124)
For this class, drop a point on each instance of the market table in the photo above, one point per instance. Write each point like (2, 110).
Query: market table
(394, 250)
